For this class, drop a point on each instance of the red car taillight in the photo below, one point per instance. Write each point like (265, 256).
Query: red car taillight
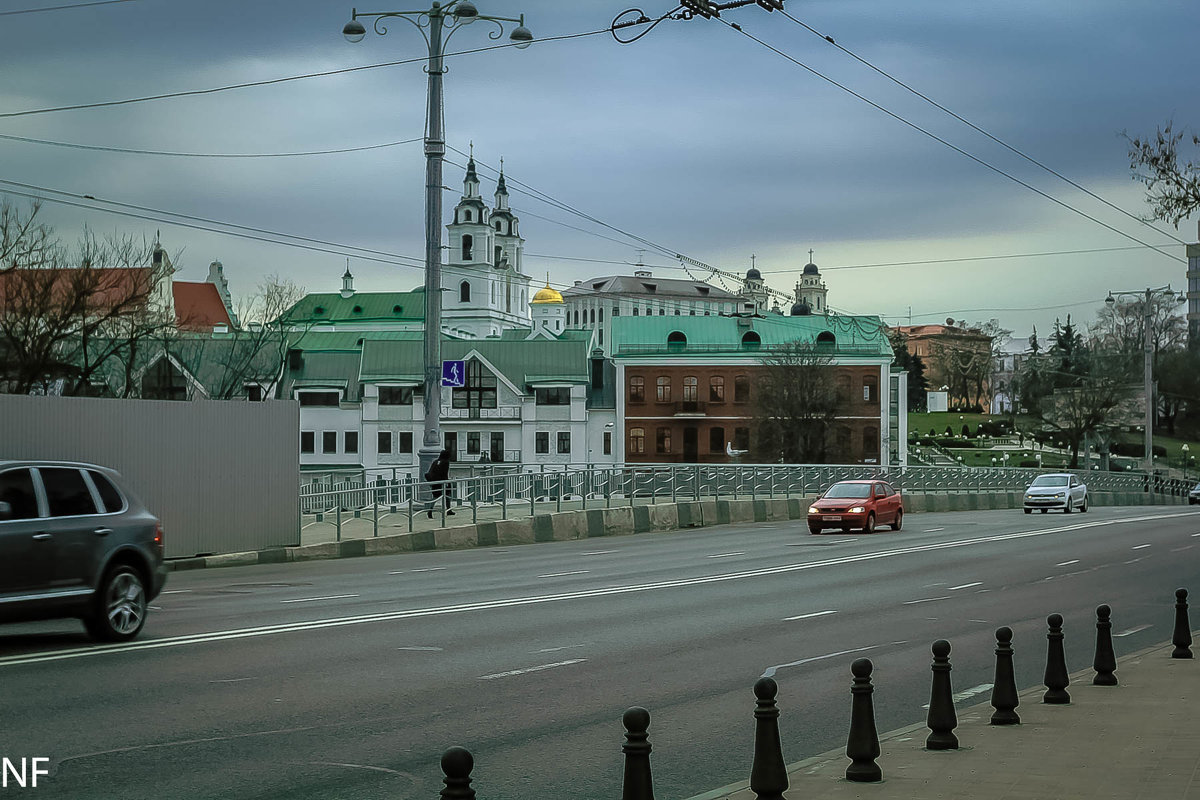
(158, 536)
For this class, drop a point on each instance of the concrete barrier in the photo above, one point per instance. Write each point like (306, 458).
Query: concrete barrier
(568, 525)
(689, 514)
(709, 515)
(734, 512)
(664, 517)
(514, 531)
(456, 538)
(312, 552)
(388, 545)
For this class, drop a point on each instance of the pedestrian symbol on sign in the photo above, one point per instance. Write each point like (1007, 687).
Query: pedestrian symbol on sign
(454, 373)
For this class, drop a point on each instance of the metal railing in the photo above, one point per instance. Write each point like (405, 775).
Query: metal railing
(512, 491)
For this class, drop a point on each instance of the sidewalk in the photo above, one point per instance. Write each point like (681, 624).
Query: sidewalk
(1140, 739)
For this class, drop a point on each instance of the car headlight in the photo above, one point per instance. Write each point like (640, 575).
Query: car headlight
(814, 510)
(857, 510)
(1058, 494)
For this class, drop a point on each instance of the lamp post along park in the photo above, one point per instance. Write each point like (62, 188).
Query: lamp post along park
(436, 25)
(1147, 299)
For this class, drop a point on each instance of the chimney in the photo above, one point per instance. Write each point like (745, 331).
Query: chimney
(597, 369)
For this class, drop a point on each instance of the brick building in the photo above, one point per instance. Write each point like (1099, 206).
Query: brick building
(686, 385)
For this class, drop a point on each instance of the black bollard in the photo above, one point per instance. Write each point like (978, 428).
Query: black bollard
(1056, 679)
(1004, 690)
(768, 775)
(941, 719)
(1183, 630)
(639, 784)
(1105, 662)
(456, 764)
(862, 746)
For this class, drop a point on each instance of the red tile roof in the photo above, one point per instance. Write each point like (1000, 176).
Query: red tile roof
(198, 306)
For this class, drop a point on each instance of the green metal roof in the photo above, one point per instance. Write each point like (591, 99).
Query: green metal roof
(859, 336)
(347, 340)
(520, 361)
(325, 368)
(371, 307)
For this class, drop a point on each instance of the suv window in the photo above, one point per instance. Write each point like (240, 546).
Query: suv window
(66, 493)
(16, 489)
(108, 493)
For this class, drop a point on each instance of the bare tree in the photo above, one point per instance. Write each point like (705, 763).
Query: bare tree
(796, 403)
(66, 314)
(1172, 187)
(1120, 325)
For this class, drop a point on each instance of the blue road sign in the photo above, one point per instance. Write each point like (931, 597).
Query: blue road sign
(454, 373)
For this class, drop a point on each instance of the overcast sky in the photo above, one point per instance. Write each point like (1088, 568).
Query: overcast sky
(695, 138)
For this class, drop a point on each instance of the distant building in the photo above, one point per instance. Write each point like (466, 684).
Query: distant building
(686, 385)
(955, 357)
(1193, 294)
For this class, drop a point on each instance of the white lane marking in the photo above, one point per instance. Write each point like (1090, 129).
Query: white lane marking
(417, 649)
(982, 591)
(967, 694)
(177, 591)
(538, 668)
(561, 574)
(1068, 563)
(1134, 560)
(315, 599)
(965, 586)
(1195, 534)
(154, 608)
(925, 600)
(931, 585)
(1132, 631)
(397, 572)
(809, 616)
(934, 530)
(428, 569)
(770, 671)
(556, 649)
(1181, 549)
(338, 622)
(726, 555)
(233, 680)
(1140, 547)
(983, 621)
(597, 552)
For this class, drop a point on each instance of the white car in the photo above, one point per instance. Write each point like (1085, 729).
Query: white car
(1056, 490)
(1194, 495)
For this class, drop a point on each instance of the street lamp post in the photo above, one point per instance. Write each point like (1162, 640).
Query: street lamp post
(1147, 298)
(432, 24)
(1184, 449)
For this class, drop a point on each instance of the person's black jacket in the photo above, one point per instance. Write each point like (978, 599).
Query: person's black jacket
(439, 470)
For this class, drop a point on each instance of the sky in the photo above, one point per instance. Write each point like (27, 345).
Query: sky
(695, 138)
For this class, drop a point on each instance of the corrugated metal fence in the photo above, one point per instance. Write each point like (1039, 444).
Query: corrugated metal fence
(222, 475)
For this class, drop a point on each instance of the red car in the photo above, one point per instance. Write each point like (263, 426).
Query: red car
(857, 504)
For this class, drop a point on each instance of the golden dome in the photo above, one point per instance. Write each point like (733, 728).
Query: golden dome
(547, 295)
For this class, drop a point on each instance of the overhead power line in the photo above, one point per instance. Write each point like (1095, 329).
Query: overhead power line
(978, 129)
(939, 139)
(62, 8)
(136, 151)
(286, 79)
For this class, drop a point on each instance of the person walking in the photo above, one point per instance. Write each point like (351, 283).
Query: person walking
(438, 475)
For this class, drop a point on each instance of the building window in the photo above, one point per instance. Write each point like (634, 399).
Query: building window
(716, 389)
(329, 442)
(843, 388)
(395, 395)
(741, 438)
(577, 318)
(556, 396)
(662, 440)
(751, 341)
(564, 443)
(716, 440)
(870, 389)
(541, 442)
(825, 339)
(466, 215)
(473, 443)
(593, 316)
(843, 443)
(608, 443)
(601, 316)
(664, 389)
(691, 391)
(480, 391)
(317, 398)
(637, 441)
(254, 392)
(497, 446)
(637, 390)
(384, 443)
(676, 341)
(464, 292)
(351, 441)
(307, 442)
(499, 254)
(870, 443)
(404, 442)
(741, 389)
(635, 311)
(467, 243)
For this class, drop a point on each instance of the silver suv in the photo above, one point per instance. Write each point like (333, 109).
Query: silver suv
(74, 542)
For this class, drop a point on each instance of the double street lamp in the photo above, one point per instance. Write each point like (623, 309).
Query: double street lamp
(436, 25)
(1147, 299)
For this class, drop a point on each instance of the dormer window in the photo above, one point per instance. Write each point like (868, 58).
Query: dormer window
(499, 226)
(357, 310)
(396, 309)
(466, 215)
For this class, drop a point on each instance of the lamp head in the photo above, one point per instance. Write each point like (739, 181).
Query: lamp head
(354, 31)
(1110, 299)
(465, 11)
(521, 37)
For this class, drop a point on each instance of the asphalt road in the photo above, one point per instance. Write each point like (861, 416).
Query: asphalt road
(347, 679)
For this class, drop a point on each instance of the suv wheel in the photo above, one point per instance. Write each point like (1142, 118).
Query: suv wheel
(119, 609)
